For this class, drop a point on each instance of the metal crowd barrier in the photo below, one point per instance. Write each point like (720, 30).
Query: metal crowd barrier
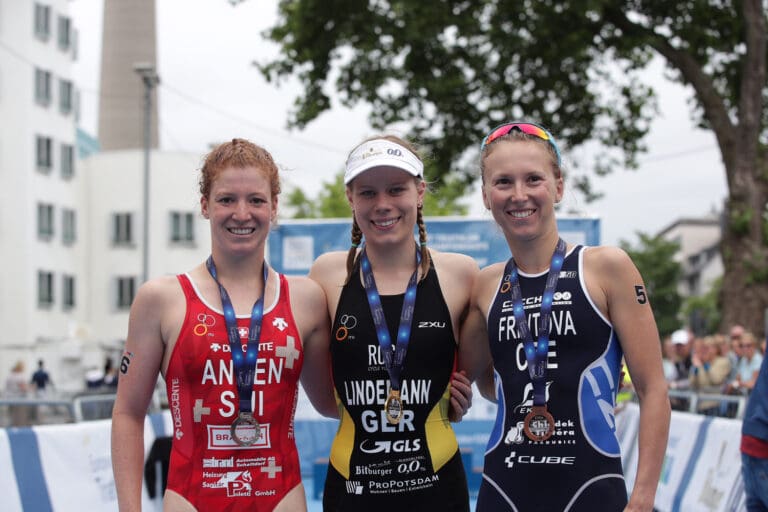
(27, 411)
(726, 406)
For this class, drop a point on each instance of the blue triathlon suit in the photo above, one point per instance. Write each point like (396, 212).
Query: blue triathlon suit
(579, 467)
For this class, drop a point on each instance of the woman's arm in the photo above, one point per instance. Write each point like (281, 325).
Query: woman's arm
(139, 369)
(623, 295)
(311, 313)
(457, 273)
(474, 351)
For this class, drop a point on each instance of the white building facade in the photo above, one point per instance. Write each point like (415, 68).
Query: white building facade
(699, 253)
(43, 287)
(179, 237)
(71, 229)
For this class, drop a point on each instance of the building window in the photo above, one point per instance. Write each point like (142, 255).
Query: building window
(68, 291)
(126, 287)
(67, 161)
(65, 96)
(44, 221)
(182, 227)
(43, 150)
(42, 21)
(42, 87)
(122, 233)
(68, 226)
(44, 288)
(75, 44)
(65, 33)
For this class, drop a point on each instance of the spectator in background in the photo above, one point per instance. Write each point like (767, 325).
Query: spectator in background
(748, 366)
(722, 345)
(40, 379)
(681, 344)
(734, 354)
(668, 361)
(94, 378)
(16, 387)
(754, 444)
(709, 371)
(110, 374)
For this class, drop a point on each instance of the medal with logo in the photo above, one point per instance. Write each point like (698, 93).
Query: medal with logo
(245, 429)
(393, 357)
(539, 425)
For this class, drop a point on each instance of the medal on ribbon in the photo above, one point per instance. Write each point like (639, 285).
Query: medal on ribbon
(539, 425)
(245, 430)
(393, 357)
(393, 407)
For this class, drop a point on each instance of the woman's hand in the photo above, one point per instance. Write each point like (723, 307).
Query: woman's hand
(461, 396)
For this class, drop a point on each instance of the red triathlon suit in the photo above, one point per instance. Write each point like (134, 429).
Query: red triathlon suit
(207, 467)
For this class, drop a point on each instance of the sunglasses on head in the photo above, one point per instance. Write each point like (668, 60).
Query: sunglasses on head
(528, 128)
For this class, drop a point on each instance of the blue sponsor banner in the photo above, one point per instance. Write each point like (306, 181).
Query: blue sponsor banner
(294, 244)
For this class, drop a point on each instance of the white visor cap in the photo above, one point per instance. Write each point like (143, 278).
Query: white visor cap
(381, 153)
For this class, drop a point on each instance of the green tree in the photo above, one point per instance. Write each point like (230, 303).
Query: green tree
(332, 201)
(443, 197)
(452, 69)
(302, 206)
(703, 312)
(655, 259)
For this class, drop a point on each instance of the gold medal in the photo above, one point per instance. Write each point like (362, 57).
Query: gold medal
(245, 429)
(539, 425)
(393, 407)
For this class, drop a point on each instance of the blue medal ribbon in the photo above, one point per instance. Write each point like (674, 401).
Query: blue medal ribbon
(393, 359)
(536, 355)
(244, 364)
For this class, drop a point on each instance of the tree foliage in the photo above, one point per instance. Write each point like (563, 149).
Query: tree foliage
(655, 259)
(453, 69)
(703, 312)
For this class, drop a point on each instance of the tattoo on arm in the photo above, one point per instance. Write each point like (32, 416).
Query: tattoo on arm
(125, 362)
(640, 292)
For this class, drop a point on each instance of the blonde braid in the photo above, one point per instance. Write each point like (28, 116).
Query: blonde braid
(422, 242)
(357, 237)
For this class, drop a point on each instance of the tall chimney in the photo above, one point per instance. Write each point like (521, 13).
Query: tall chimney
(129, 37)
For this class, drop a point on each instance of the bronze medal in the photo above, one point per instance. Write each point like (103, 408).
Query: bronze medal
(539, 425)
(245, 429)
(393, 407)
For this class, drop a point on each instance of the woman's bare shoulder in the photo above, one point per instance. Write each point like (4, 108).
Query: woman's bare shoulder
(455, 265)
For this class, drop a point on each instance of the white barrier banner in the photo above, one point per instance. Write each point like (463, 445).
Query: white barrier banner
(717, 471)
(77, 465)
(8, 487)
(627, 422)
(683, 432)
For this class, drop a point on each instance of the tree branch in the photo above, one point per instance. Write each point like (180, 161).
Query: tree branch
(713, 105)
(753, 73)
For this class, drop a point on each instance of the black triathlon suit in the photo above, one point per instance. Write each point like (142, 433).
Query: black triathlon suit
(415, 465)
(579, 467)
